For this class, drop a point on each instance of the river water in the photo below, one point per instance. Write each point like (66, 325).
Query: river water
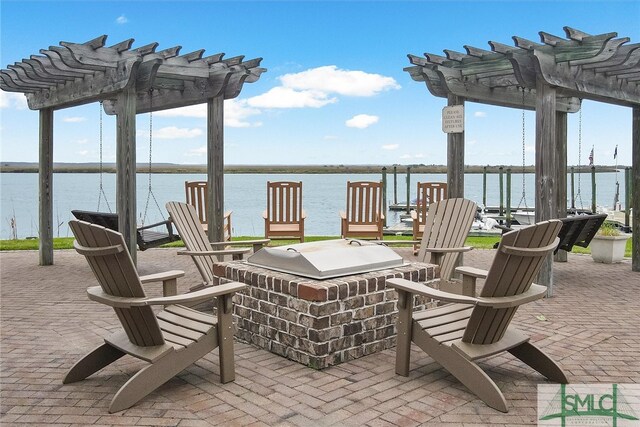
(324, 195)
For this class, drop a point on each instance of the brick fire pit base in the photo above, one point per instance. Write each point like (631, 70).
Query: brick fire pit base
(319, 323)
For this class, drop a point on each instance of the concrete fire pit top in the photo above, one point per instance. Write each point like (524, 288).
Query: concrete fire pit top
(327, 259)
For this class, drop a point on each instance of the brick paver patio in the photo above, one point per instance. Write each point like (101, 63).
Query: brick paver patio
(590, 327)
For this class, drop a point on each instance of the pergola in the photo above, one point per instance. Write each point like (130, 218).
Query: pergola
(128, 81)
(552, 78)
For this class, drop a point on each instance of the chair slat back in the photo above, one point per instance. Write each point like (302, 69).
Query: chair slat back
(509, 275)
(284, 202)
(447, 225)
(118, 277)
(196, 196)
(364, 202)
(186, 220)
(427, 193)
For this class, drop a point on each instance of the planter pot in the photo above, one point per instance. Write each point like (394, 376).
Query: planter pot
(608, 249)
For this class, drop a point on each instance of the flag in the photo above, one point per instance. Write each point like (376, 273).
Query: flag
(615, 153)
(591, 158)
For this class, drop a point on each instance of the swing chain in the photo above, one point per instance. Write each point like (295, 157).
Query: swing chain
(523, 198)
(578, 195)
(150, 193)
(101, 192)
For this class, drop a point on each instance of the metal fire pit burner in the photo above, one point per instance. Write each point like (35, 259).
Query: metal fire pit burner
(327, 259)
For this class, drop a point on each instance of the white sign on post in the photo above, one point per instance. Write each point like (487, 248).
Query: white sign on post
(453, 119)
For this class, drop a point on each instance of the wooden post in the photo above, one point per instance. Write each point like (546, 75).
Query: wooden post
(395, 185)
(593, 189)
(561, 174)
(635, 184)
(126, 168)
(627, 195)
(408, 189)
(215, 167)
(384, 194)
(455, 156)
(546, 168)
(484, 187)
(46, 187)
(501, 183)
(508, 208)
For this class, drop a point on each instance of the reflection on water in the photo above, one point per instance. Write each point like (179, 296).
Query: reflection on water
(245, 194)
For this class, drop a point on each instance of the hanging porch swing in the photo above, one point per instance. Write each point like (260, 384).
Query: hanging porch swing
(148, 236)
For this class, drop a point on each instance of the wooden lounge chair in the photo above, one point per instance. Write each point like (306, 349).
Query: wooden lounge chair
(196, 196)
(446, 228)
(146, 236)
(203, 252)
(284, 217)
(427, 193)
(364, 217)
(169, 340)
(455, 335)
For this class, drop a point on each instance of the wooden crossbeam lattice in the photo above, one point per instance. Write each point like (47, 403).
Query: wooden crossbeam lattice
(78, 73)
(602, 67)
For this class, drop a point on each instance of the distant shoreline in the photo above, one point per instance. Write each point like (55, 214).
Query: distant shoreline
(168, 168)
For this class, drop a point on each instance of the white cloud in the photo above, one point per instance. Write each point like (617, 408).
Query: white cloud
(13, 100)
(197, 111)
(530, 148)
(74, 119)
(236, 113)
(480, 114)
(391, 147)
(172, 132)
(121, 20)
(412, 156)
(331, 79)
(197, 152)
(82, 141)
(330, 137)
(83, 153)
(361, 121)
(285, 97)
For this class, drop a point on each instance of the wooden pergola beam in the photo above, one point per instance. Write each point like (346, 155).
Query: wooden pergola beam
(128, 81)
(554, 77)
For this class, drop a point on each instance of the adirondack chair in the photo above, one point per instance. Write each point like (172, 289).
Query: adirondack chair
(146, 236)
(203, 252)
(364, 217)
(196, 196)
(284, 217)
(446, 228)
(169, 340)
(427, 193)
(457, 334)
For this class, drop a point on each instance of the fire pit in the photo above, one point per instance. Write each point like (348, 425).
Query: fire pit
(327, 259)
(318, 323)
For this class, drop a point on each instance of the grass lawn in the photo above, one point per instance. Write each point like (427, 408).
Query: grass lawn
(67, 243)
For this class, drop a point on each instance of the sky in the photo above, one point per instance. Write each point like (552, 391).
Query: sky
(335, 91)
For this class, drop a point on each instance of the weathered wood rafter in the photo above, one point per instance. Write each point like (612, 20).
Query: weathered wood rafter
(74, 74)
(581, 66)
